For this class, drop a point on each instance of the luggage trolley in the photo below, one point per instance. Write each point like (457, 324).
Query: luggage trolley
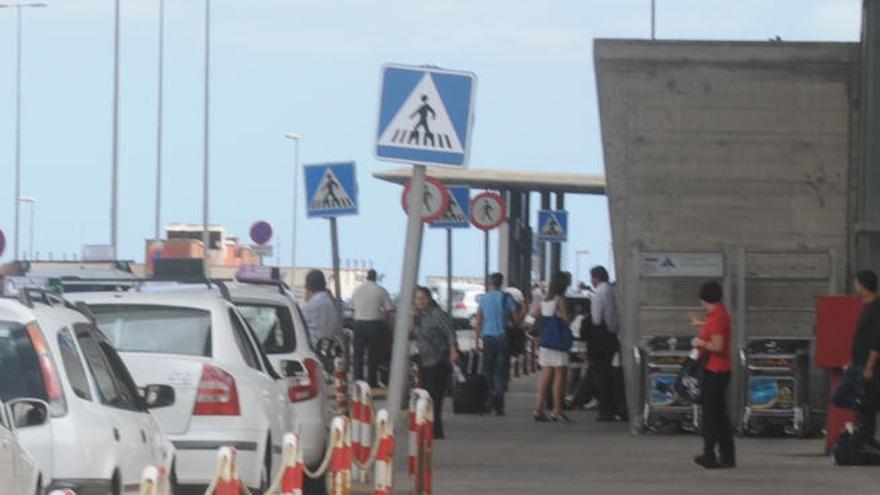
(660, 360)
(777, 385)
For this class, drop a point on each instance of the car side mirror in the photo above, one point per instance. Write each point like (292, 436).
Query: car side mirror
(26, 413)
(156, 396)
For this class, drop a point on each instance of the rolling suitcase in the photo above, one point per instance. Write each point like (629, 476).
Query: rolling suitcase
(471, 389)
(847, 453)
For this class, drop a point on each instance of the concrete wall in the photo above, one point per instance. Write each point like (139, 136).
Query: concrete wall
(746, 149)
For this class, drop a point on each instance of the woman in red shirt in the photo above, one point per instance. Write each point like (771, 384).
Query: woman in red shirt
(713, 343)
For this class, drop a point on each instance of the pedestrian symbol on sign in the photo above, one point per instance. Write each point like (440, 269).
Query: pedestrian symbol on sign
(331, 189)
(433, 128)
(330, 194)
(552, 226)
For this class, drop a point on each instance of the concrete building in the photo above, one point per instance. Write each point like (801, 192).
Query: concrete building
(740, 160)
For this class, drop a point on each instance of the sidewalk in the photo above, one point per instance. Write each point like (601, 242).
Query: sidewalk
(516, 456)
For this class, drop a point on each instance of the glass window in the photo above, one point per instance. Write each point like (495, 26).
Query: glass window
(124, 383)
(72, 360)
(156, 329)
(111, 387)
(244, 345)
(20, 374)
(272, 325)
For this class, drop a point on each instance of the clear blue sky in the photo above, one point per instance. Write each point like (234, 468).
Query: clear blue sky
(312, 67)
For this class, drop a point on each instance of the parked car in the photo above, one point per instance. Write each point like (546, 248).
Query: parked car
(100, 433)
(192, 338)
(465, 302)
(19, 472)
(279, 326)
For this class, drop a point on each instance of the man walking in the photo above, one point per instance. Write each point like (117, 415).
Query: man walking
(603, 344)
(372, 308)
(865, 360)
(496, 310)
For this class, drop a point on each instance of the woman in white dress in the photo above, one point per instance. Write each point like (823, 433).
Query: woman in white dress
(554, 363)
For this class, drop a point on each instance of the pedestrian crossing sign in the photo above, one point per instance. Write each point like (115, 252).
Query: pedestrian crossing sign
(331, 189)
(552, 226)
(425, 116)
(458, 210)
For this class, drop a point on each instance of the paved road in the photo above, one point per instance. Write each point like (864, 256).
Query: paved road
(514, 455)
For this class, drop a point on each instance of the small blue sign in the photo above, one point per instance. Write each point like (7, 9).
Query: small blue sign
(425, 116)
(458, 210)
(331, 190)
(552, 226)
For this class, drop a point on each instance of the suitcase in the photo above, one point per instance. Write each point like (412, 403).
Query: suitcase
(471, 390)
(846, 453)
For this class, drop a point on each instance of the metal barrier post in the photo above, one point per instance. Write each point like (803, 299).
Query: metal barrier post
(384, 470)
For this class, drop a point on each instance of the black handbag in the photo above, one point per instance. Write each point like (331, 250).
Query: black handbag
(689, 382)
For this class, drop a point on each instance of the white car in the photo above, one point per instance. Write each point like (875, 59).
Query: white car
(279, 325)
(100, 434)
(192, 338)
(18, 470)
(465, 301)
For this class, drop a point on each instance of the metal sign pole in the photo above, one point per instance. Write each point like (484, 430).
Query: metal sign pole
(486, 259)
(449, 271)
(400, 352)
(337, 285)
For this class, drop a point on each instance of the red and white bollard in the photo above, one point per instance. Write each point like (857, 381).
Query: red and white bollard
(413, 440)
(340, 460)
(384, 471)
(423, 479)
(361, 428)
(154, 481)
(289, 480)
(226, 480)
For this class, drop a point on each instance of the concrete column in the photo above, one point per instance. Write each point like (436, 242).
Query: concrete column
(556, 247)
(868, 232)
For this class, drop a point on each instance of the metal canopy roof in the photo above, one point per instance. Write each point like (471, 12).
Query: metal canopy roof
(506, 179)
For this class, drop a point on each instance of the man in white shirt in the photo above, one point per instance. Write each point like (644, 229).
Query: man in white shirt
(604, 344)
(372, 309)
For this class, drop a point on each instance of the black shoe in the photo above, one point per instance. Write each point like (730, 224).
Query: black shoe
(559, 418)
(498, 405)
(540, 417)
(705, 461)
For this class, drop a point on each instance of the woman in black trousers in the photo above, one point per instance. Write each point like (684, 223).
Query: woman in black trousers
(713, 344)
(435, 340)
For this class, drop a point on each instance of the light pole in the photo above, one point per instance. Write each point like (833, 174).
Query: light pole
(159, 120)
(114, 176)
(295, 138)
(18, 7)
(577, 262)
(33, 203)
(206, 237)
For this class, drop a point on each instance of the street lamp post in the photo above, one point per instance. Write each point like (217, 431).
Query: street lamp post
(206, 237)
(295, 138)
(114, 176)
(18, 37)
(33, 203)
(577, 262)
(159, 120)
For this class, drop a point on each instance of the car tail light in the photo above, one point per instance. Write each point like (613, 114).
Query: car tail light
(461, 305)
(304, 385)
(47, 369)
(217, 394)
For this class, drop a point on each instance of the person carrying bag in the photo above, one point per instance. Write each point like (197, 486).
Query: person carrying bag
(555, 343)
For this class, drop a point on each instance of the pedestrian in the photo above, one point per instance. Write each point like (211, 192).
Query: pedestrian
(863, 365)
(435, 341)
(372, 311)
(603, 343)
(496, 310)
(553, 361)
(320, 310)
(713, 344)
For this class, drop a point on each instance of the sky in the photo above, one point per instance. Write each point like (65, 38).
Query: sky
(313, 67)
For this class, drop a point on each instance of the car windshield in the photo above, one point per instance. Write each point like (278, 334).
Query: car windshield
(20, 374)
(273, 326)
(157, 329)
